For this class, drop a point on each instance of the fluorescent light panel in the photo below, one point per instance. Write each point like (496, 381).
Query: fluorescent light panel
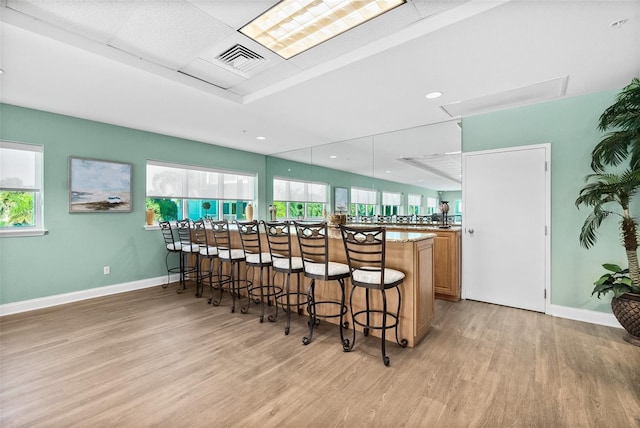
(293, 26)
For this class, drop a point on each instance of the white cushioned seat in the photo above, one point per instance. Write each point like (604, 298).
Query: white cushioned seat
(333, 267)
(258, 258)
(208, 251)
(373, 276)
(283, 263)
(174, 247)
(231, 254)
(191, 248)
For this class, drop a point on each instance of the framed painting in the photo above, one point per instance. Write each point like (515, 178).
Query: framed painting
(99, 186)
(341, 200)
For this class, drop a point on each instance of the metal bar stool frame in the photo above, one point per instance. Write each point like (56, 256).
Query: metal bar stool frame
(256, 258)
(285, 263)
(173, 246)
(188, 248)
(234, 257)
(365, 249)
(314, 249)
(207, 252)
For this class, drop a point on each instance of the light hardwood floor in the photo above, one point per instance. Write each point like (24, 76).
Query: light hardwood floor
(156, 358)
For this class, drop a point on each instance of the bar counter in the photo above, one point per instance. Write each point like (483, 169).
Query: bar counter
(408, 252)
(447, 255)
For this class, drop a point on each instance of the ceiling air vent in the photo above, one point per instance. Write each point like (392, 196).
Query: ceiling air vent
(240, 58)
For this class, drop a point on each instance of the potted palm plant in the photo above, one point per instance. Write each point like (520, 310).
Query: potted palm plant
(609, 196)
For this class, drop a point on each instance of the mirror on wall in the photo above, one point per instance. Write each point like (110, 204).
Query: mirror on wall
(425, 156)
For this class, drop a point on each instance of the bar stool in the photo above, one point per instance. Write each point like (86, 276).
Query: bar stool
(188, 248)
(207, 252)
(255, 258)
(173, 246)
(234, 257)
(365, 249)
(314, 248)
(283, 262)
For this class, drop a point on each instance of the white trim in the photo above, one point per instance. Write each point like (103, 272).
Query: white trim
(61, 299)
(22, 231)
(583, 315)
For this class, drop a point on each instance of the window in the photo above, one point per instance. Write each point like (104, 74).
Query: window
(457, 206)
(414, 202)
(299, 199)
(179, 191)
(363, 202)
(21, 210)
(391, 203)
(432, 204)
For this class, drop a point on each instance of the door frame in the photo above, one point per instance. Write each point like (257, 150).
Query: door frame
(547, 258)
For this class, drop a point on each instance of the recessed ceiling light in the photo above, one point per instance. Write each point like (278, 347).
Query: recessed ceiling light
(619, 23)
(433, 95)
(261, 138)
(333, 156)
(293, 26)
(388, 172)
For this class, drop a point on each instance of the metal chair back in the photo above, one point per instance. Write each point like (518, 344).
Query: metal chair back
(365, 250)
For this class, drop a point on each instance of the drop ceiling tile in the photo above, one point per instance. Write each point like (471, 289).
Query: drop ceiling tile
(171, 33)
(96, 20)
(431, 7)
(234, 13)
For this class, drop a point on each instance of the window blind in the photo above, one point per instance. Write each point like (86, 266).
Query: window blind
(165, 180)
(20, 167)
(389, 198)
(414, 200)
(363, 196)
(299, 191)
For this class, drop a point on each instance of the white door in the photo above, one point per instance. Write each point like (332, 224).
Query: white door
(505, 240)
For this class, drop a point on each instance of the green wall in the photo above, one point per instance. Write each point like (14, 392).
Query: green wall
(569, 125)
(70, 257)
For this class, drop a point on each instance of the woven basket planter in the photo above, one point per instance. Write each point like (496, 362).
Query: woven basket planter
(626, 308)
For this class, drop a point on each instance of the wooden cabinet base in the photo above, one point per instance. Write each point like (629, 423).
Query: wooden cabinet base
(446, 260)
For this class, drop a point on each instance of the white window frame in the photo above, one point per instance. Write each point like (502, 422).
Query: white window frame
(308, 196)
(432, 205)
(218, 192)
(365, 197)
(38, 228)
(412, 198)
(391, 199)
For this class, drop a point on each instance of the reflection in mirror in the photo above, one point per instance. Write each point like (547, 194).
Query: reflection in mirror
(425, 156)
(411, 170)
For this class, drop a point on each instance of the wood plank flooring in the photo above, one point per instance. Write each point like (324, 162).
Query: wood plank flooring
(153, 358)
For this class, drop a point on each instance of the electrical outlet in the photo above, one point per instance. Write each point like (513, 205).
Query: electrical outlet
(107, 270)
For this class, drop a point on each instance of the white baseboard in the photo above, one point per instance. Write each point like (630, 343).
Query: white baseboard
(584, 315)
(61, 299)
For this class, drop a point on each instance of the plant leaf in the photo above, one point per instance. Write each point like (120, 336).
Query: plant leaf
(612, 267)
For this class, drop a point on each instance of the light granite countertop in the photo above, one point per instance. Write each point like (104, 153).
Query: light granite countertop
(394, 236)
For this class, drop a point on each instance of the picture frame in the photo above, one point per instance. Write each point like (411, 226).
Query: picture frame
(341, 200)
(97, 185)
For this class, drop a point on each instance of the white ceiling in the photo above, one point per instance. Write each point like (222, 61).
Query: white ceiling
(130, 62)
